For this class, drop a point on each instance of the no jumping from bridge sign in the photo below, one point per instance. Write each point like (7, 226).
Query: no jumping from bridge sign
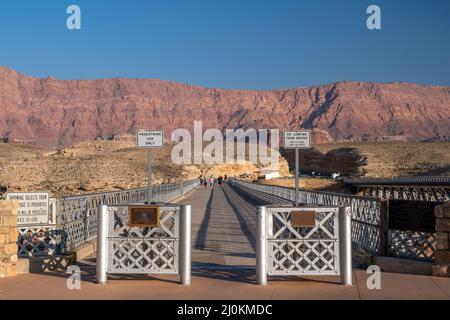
(297, 139)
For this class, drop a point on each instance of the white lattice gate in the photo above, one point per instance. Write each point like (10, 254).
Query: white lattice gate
(284, 249)
(125, 249)
(143, 250)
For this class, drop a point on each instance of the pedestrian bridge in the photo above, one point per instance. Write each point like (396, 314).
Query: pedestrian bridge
(224, 244)
(223, 228)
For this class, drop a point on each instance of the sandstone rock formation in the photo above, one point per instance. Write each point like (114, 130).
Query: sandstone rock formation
(52, 113)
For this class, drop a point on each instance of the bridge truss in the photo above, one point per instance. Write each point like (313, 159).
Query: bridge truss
(430, 189)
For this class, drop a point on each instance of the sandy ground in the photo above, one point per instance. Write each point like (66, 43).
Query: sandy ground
(99, 166)
(310, 184)
(116, 165)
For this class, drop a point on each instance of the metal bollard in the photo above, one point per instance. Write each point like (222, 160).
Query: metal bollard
(102, 245)
(261, 247)
(345, 245)
(185, 245)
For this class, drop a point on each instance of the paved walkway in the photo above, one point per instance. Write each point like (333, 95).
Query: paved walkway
(223, 268)
(223, 228)
(221, 284)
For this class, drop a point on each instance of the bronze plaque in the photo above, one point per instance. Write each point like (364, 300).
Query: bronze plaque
(143, 216)
(303, 219)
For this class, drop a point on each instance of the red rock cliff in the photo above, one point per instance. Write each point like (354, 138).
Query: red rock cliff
(56, 113)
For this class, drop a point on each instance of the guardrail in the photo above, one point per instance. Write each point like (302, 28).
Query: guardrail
(426, 189)
(419, 180)
(321, 248)
(76, 218)
(366, 211)
(370, 227)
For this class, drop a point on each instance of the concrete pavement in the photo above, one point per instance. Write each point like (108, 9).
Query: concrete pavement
(215, 284)
(223, 228)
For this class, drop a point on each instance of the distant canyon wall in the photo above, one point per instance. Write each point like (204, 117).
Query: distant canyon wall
(54, 113)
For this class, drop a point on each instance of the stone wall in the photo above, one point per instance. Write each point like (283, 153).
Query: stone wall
(442, 257)
(8, 238)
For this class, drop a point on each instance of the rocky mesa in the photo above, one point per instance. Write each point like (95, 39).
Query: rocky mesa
(54, 113)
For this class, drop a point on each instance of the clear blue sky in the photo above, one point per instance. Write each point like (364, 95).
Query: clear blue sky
(248, 44)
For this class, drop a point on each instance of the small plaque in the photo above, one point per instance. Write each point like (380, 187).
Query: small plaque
(143, 216)
(303, 219)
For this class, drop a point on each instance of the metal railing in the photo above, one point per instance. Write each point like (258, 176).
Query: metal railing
(415, 245)
(162, 249)
(366, 211)
(397, 181)
(321, 248)
(76, 218)
(370, 230)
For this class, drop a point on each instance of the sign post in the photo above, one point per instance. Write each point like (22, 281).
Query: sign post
(149, 175)
(150, 139)
(297, 178)
(297, 140)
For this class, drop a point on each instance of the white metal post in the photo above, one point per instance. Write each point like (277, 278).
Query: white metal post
(185, 245)
(345, 241)
(102, 244)
(149, 188)
(297, 178)
(261, 247)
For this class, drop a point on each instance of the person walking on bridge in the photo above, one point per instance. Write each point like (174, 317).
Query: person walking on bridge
(205, 182)
(211, 182)
(220, 182)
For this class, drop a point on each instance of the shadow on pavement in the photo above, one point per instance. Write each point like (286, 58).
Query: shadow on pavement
(88, 274)
(200, 244)
(248, 275)
(250, 234)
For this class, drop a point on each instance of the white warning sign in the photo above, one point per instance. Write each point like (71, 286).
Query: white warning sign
(297, 139)
(150, 138)
(33, 207)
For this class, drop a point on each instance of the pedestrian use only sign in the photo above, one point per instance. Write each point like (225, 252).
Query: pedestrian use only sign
(33, 207)
(297, 139)
(150, 138)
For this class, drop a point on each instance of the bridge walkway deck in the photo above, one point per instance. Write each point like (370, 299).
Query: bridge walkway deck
(223, 228)
(224, 224)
